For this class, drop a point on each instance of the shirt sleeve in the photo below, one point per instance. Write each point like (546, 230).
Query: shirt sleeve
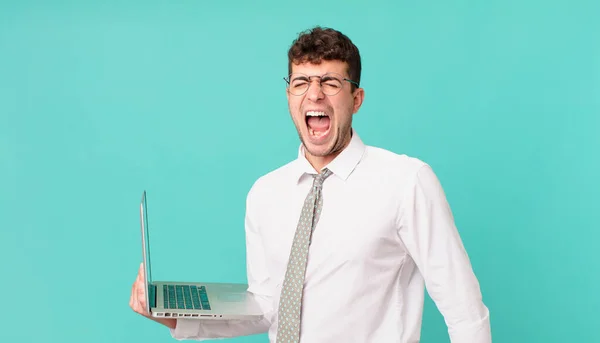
(259, 286)
(428, 231)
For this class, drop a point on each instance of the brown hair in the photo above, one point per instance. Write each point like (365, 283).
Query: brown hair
(327, 44)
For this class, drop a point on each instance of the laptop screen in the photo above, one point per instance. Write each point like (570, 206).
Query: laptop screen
(146, 250)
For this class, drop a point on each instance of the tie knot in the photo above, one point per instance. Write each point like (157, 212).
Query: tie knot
(319, 178)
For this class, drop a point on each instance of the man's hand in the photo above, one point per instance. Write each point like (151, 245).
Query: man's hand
(137, 302)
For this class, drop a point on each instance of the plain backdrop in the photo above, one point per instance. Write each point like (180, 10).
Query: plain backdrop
(100, 100)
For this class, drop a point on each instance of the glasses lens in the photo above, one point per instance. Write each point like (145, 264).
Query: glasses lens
(331, 83)
(298, 84)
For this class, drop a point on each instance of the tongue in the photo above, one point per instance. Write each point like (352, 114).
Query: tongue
(318, 123)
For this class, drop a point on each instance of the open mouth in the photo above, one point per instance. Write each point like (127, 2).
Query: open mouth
(318, 123)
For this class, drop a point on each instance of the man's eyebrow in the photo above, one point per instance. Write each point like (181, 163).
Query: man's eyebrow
(300, 77)
(329, 77)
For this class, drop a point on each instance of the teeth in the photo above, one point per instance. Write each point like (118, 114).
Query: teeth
(316, 134)
(315, 114)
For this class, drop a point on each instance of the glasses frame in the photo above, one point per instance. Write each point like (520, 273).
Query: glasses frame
(320, 77)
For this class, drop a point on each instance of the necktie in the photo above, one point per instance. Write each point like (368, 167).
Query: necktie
(288, 330)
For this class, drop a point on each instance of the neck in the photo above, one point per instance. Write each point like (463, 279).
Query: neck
(318, 162)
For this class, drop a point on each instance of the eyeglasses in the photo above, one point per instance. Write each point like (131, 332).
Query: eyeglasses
(330, 83)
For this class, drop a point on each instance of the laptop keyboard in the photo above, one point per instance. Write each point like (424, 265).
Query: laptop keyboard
(187, 297)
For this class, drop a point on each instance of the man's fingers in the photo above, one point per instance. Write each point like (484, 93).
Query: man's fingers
(142, 307)
(132, 297)
(139, 304)
(137, 292)
(141, 300)
(134, 300)
(137, 300)
(140, 273)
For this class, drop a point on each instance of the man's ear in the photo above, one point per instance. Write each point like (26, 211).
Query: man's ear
(359, 97)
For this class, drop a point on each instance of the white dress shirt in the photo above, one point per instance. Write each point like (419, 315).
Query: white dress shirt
(385, 233)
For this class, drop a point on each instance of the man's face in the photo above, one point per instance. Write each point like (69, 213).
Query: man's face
(323, 121)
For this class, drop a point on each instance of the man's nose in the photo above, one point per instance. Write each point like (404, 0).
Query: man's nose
(314, 92)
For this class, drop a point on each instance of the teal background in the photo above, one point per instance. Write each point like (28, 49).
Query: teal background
(100, 100)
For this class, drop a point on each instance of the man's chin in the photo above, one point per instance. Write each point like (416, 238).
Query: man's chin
(318, 150)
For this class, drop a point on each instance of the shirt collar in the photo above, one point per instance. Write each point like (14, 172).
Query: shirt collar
(342, 166)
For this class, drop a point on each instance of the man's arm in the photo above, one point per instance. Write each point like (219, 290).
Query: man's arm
(258, 282)
(258, 286)
(429, 233)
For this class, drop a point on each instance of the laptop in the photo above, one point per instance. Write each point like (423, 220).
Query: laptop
(194, 300)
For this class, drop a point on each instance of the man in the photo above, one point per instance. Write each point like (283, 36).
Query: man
(374, 227)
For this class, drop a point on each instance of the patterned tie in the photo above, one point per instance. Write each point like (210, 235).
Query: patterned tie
(288, 330)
